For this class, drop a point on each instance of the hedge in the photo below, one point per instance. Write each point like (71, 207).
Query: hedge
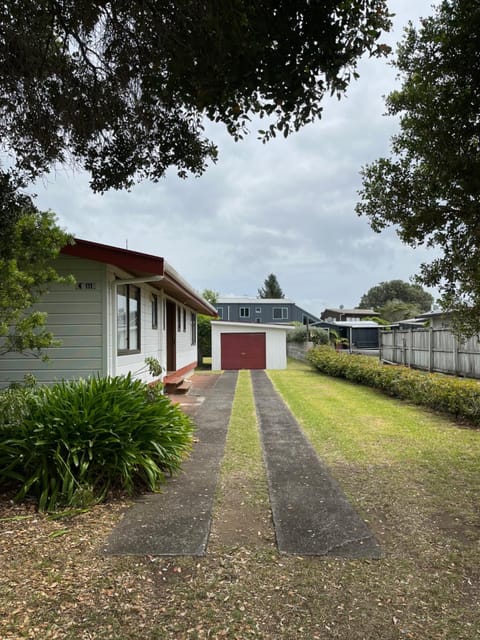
(457, 396)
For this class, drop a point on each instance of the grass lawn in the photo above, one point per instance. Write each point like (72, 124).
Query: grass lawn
(414, 476)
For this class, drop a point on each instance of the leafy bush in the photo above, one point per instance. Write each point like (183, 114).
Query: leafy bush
(456, 396)
(78, 439)
(299, 334)
(14, 403)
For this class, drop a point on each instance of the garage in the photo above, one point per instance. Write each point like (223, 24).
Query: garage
(243, 351)
(243, 345)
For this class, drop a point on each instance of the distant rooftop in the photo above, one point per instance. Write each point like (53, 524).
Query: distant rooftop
(246, 300)
(355, 312)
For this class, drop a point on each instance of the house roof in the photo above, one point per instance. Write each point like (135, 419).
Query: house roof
(353, 312)
(258, 326)
(246, 300)
(142, 265)
(355, 324)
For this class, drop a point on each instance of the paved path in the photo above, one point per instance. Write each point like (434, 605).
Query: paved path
(311, 514)
(177, 521)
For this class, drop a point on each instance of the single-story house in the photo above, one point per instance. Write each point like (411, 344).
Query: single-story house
(240, 345)
(262, 310)
(347, 315)
(359, 334)
(124, 306)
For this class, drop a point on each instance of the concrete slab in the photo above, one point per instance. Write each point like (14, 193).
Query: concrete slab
(177, 521)
(311, 514)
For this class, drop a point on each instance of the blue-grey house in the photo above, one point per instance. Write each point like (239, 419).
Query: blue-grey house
(262, 310)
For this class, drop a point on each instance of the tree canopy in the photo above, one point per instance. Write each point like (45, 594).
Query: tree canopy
(29, 241)
(398, 291)
(271, 288)
(122, 88)
(430, 186)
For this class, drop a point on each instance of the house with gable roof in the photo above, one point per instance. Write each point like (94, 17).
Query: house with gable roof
(124, 307)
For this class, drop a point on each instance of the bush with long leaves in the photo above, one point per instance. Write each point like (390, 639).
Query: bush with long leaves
(79, 439)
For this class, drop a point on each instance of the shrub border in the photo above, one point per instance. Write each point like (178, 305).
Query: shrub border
(456, 396)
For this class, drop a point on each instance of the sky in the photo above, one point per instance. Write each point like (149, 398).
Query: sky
(286, 207)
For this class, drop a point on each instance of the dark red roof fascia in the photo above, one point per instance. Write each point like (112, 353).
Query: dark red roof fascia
(124, 258)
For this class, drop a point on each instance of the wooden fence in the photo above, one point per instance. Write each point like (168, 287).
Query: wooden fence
(432, 350)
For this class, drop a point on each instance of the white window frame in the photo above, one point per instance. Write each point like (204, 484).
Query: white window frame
(283, 313)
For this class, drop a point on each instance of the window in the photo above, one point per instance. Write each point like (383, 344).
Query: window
(280, 313)
(128, 319)
(193, 323)
(154, 312)
(220, 313)
(184, 320)
(179, 318)
(258, 310)
(244, 312)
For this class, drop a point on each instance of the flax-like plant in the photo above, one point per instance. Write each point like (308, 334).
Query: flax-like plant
(81, 438)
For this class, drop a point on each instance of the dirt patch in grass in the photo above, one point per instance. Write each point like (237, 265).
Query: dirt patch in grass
(242, 515)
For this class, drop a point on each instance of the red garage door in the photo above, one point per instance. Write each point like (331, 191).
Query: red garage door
(243, 351)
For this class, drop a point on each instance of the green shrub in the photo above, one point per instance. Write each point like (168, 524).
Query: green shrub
(79, 439)
(14, 403)
(456, 396)
(299, 334)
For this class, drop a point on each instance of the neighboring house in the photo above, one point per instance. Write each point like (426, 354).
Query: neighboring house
(125, 306)
(241, 345)
(347, 315)
(262, 310)
(359, 334)
(429, 319)
(436, 319)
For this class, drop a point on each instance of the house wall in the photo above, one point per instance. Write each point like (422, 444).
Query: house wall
(83, 316)
(153, 342)
(186, 351)
(76, 316)
(262, 312)
(275, 338)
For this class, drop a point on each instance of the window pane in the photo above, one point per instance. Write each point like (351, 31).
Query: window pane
(133, 318)
(122, 317)
(193, 321)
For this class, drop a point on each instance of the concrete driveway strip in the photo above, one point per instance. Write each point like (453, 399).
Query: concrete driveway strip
(177, 521)
(311, 514)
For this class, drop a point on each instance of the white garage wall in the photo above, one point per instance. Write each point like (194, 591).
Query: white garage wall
(275, 341)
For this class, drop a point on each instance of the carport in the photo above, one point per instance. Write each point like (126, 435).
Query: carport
(243, 345)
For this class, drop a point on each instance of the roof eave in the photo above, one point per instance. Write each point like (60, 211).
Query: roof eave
(142, 264)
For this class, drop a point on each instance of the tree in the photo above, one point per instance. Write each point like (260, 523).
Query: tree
(398, 290)
(395, 310)
(29, 242)
(122, 88)
(211, 296)
(204, 327)
(271, 288)
(430, 186)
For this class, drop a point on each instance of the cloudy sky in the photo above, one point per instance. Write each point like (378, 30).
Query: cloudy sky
(286, 207)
